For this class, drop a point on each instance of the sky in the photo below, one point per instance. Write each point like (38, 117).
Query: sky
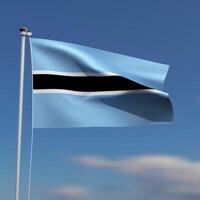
(143, 163)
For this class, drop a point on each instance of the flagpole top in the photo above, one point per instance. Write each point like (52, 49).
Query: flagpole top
(24, 31)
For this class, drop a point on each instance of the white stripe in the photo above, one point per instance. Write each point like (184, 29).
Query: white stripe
(73, 73)
(46, 91)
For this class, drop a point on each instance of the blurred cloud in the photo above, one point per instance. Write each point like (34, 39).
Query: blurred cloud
(198, 98)
(70, 192)
(157, 176)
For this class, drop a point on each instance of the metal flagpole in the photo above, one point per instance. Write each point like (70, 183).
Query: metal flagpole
(23, 32)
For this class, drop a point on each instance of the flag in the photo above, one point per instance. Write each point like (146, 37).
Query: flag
(79, 86)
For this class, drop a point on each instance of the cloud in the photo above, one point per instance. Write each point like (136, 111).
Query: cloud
(198, 98)
(71, 192)
(93, 161)
(162, 176)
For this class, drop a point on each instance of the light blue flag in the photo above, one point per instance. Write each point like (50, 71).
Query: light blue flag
(79, 86)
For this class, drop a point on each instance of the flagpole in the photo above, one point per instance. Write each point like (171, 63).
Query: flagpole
(23, 33)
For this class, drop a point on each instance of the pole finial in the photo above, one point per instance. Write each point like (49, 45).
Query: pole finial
(23, 29)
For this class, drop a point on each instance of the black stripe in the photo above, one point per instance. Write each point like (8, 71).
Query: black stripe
(84, 83)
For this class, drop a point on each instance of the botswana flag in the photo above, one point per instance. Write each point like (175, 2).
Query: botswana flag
(79, 86)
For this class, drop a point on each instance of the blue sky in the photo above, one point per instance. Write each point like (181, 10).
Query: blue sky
(156, 162)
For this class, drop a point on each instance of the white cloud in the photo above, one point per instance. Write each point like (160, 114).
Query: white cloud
(198, 98)
(93, 161)
(163, 175)
(71, 192)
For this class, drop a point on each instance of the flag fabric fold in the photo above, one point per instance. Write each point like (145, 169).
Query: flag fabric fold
(79, 86)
